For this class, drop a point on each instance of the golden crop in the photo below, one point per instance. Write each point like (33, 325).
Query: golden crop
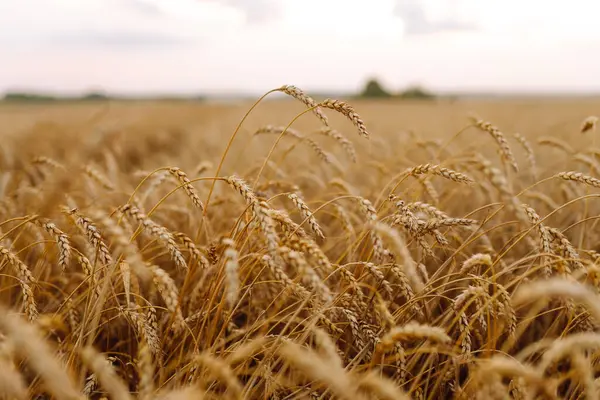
(316, 249)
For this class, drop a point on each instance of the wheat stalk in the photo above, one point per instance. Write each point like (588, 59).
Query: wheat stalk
(169, 292)
(12, 383)
(474, 261)
(282, 278)
(308, 274)
(277, 130)
(505, 151)
(62, 240)
(88, 227)
(545, 237)
(25, 280)
(348, 111)
(299, 95)
(28, 343)
(231, 272)
(557, 143)
(145, 371)
(156, 231)
(42, 160)
(306, 214)
(414, 330)
(429, 189)
(440, 171)
(259, 210)
(578, 177)
(342, 140)
(202, 166)
(436, 223)
(187, 186)
(105, 374)
(589, 124)
(98, 177)
(191, 247)
(566, 247)
(528, 152)
(220, 370)
(320, 369)
(381, 254)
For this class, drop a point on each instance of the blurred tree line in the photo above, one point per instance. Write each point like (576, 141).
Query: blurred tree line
(37, 97)
(374, 89)
(30, 97)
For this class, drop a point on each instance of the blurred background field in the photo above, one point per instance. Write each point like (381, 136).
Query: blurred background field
(48, 127)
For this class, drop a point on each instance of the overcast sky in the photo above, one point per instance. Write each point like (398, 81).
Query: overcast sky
(251, 46)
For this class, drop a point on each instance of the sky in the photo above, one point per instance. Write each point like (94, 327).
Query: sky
(251, 46)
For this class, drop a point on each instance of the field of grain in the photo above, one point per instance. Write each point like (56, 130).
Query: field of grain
(419, 250)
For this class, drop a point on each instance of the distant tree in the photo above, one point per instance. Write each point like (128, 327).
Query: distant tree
(416, 92)
(94, 96)
(27, 97)
(373, 89)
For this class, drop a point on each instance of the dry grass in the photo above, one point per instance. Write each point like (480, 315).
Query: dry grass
(321, 265)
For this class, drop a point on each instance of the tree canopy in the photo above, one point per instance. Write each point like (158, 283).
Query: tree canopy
(374, 89)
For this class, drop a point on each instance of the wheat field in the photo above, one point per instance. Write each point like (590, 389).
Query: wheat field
(300, 249)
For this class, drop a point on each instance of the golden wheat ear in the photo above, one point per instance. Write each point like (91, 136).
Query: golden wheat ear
(299, 95)
(589, 124)
(349, 112)
(506, 153)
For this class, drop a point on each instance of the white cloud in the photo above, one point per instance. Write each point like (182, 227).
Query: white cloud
(256, 11)
(252, 11)
(144, 7)
(111, 23)
(255, 45)
(111, 39)
(417, 21)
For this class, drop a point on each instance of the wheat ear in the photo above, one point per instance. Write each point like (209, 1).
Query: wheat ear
(231, 272)
(169, 293)
(308, 101)
(29, 344)
(62, 241)
(187, 186)
(578, 177)
(221, 370)
(91, 231)
(342, 140)
(25, 280)
(589, 124)
(98, 177)
(12, 383)
(145, 371)
(306, 214)
(156, 231)
(413, 330)
(440, 171)
(505, 152)
(381, 254)
(557, 143)
(191, 247)
(42, 160)
(103, 370)
(528, 152)
(348, 111)
(259, 210)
